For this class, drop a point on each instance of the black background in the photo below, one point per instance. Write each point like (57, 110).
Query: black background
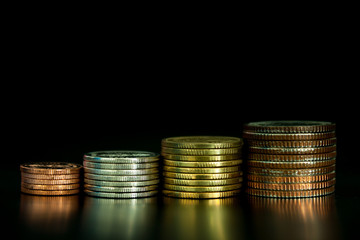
(80, 81)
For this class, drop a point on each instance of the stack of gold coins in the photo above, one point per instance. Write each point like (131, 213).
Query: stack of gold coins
(50, 178)
(202, 166)
(290, 159)
(121, 174)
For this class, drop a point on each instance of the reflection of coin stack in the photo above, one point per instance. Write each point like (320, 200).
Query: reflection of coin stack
(202, 166)
(50, 178)
(291, 158)
(121, 174)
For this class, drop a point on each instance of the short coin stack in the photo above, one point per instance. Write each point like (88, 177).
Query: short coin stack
(290, 159)
(202, 166)
(121, 174)
(50, 178)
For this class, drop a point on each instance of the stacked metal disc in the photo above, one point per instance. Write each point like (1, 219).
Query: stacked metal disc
(50, 178)
(202, 166)
(289, 159)
(121, 174)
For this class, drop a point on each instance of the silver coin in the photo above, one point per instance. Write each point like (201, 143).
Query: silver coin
(115, 178)
(121, 172)
(111, 166)
(96, 188)
(121, 195)
(121, 156)
(121, 184)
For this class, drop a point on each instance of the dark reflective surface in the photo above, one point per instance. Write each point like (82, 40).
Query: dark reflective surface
(306, 218)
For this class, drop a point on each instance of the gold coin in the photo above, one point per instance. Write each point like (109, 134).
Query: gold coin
(292, 186)
(50, 193)
(202, 170)
(179, 194)
(288, 136)
(202, 164)
(202, 142)
(290, 126)
(120, 166)
(50, 176)
(116, 178)
(120, 189)
(121, 195)
(121, 184)
(50, 168)
(121, 172)
(292, 158)
(290, 194)
(213, 176)
(202, 188)
(201, 158)
(284, 150)
(218, 182)
(293, 144)
(201, 151)
(50, 187)
(290, 172)
(297, 179)
(49, 181)
(269, 164)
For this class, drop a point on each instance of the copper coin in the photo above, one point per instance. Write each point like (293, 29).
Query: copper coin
(295, 179)
(292, 186)
(288, 136)
(293, 144)
(48, 187)
(50, 176)
(50, 193)
(50, 181)
(290, 194)
(50, 168)
(291, 172)
(290, 126)
(285, 150)
(269, 164)
(292, 158)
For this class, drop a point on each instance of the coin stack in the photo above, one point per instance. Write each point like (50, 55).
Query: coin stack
(50, 178)
(121, 174)
(202, 166)
(289, 159)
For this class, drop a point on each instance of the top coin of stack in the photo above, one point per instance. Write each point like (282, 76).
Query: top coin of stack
(202, 166)
(121, 174)
(291, 158)
(50, 178)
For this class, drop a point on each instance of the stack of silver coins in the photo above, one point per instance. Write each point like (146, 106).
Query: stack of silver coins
(121, 174)
(290, 159)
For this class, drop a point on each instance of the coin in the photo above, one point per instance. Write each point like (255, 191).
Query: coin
(284, 150)
(292, 186)
(292, 158)
(290, 172)
(179, 194)
(212, 176)
(293, 144)
(201, 151)
(50, 168)
(291, 194)
(120, 166)
(202, 164)
(270, 164)
(48, 187)
(290, 126)
(288, 136)
(119, 189)
(201, 158)
(202, 170)
(116, 178)
(121, 195)
(121, 157)
(202, 142)
(121, 172)
(121, 184)
(52, 193)
(198, 189)
(218, 182)
(295, 179)
(50, 176)
(50, 181)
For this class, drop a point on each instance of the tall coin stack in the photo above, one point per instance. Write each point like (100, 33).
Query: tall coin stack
(50, 178)
(289, 159)
(202, 166)
(121, 174)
